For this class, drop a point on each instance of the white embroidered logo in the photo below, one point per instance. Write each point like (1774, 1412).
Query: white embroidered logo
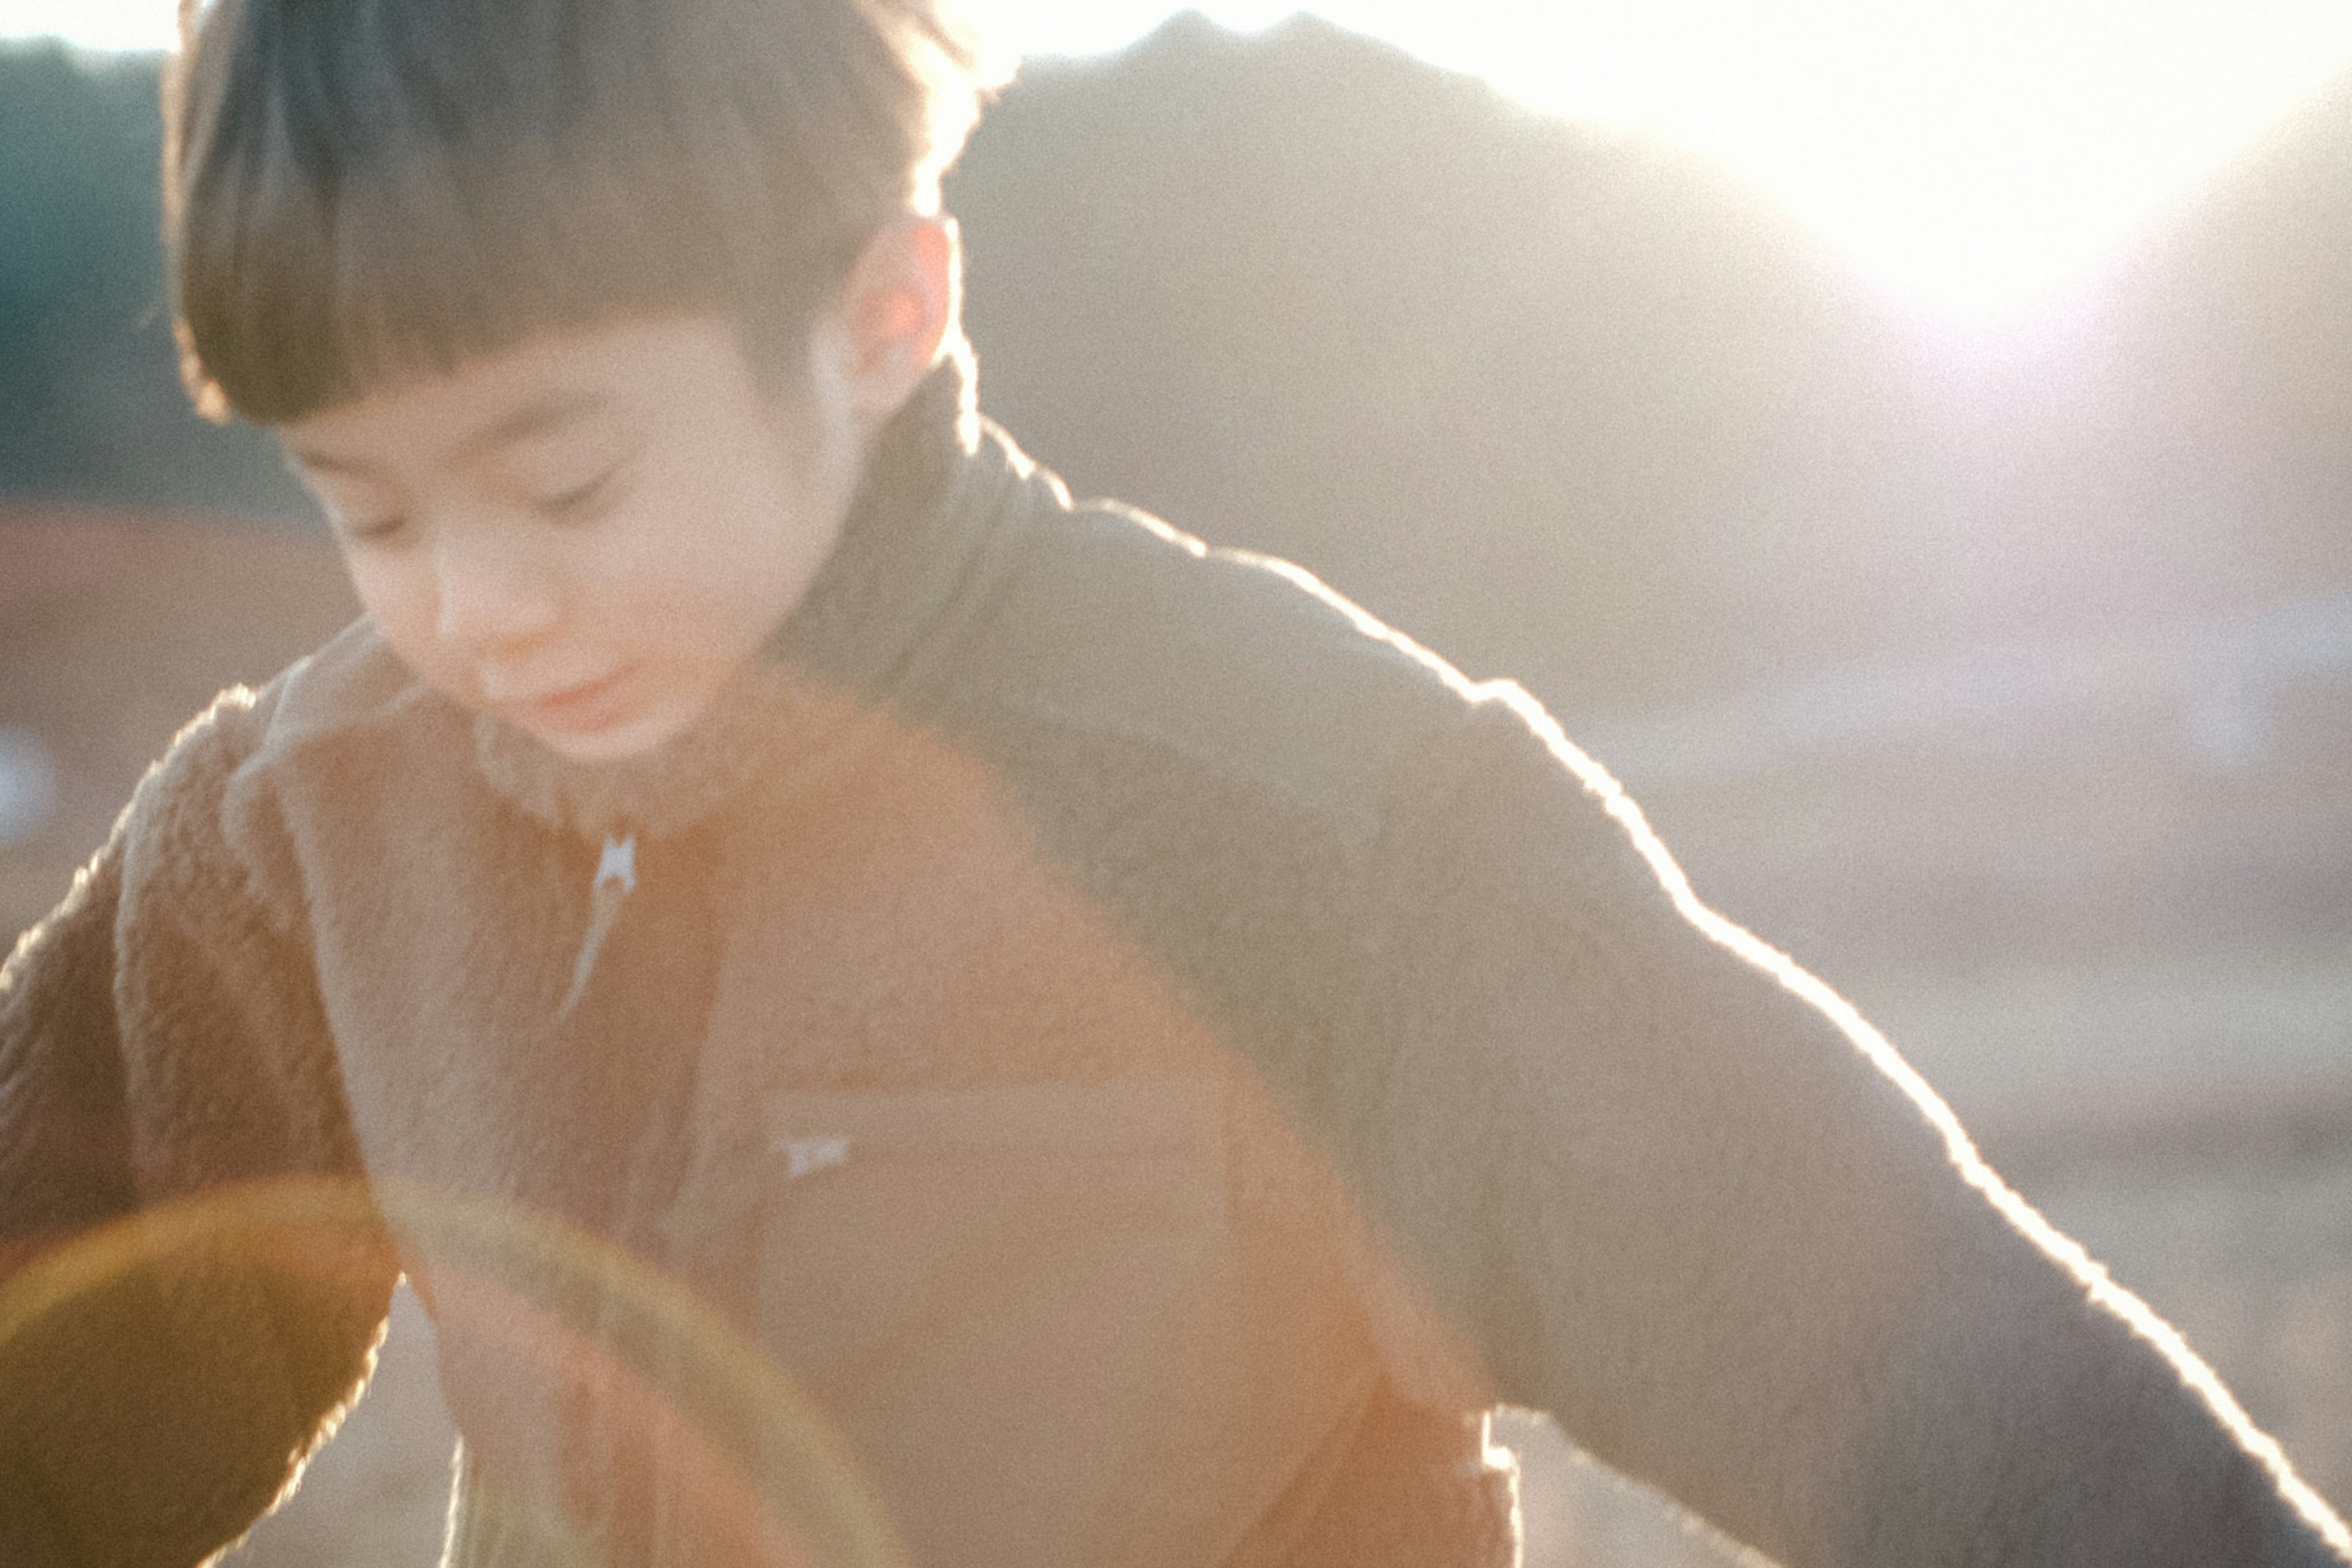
(806, 1156)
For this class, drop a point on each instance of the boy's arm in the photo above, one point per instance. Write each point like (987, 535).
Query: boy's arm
(162, 1053)
(1690, 1204)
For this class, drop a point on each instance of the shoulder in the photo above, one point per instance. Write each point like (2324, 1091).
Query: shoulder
(205, 818)
(1120, 624)
(1227, 684)
(354, 683)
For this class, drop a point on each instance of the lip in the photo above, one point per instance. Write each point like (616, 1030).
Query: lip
(583, 709)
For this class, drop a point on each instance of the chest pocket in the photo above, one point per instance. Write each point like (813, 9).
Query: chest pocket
(1019, 1304)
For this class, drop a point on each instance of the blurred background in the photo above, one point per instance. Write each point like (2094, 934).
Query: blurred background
(1927, 492)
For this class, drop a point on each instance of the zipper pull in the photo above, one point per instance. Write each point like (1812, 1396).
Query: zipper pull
(616, 878)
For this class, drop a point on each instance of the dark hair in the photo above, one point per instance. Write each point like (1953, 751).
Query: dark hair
(356, 189)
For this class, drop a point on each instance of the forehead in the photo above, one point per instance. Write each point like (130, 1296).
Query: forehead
(629, 371)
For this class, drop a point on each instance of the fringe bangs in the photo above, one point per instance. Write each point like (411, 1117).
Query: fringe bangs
(362, 191)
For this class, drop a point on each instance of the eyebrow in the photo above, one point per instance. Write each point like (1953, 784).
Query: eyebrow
(543, 415)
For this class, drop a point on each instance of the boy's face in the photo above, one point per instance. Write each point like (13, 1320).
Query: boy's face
(587, 535)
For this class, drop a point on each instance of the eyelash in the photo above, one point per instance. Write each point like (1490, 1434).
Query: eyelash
(581, 499)
(571, 506)
(382, 532)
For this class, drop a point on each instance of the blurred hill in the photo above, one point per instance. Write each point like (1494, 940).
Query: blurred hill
(1586, 410)
(1575, 408)
(2232, 329)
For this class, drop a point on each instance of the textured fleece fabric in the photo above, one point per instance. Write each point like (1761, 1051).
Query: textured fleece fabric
(1150, 1052)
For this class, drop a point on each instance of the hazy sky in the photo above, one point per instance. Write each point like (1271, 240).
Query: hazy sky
(1974, 157)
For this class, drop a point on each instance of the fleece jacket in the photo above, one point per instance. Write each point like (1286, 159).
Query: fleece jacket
(1148, 1053)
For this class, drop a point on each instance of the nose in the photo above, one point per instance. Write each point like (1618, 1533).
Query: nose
(494, 593)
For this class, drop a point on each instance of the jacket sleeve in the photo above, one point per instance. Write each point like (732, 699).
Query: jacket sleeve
(191, 1283)
(1688, 1203)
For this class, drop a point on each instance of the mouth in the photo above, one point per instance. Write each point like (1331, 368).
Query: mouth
(582, 710)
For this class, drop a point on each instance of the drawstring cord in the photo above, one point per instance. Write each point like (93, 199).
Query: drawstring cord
(616, 878)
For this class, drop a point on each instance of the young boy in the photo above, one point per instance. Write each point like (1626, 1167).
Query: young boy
(1149, 1052)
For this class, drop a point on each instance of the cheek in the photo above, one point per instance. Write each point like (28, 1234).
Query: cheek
(400, 599)
(710, 575)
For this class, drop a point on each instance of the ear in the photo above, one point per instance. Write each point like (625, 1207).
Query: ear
(895, 313)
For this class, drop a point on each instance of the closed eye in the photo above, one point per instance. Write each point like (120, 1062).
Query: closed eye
(371, 530)
(582, 500)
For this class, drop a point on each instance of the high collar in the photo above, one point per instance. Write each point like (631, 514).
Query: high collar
(930, 524)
